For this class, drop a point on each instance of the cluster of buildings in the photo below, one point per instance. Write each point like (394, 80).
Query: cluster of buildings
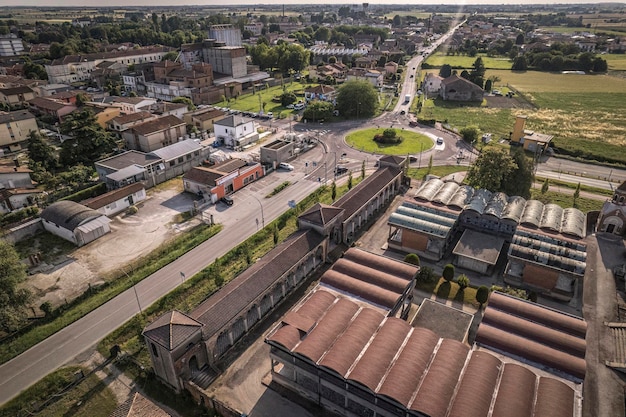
(355, 346)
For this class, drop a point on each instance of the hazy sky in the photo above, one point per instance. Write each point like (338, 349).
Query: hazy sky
(148, 3)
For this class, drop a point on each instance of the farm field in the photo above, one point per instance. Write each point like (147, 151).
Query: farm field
(617, 62)
(583, 112)
(463, 61)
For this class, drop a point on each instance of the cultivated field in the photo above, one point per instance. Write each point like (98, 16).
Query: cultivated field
(583, 112)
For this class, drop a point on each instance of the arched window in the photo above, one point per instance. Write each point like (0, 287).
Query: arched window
(155, 352)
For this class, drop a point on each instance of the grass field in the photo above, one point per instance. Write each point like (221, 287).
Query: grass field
(262, 98)
(412, 142)
(583, 112)
(89, 398)
(616, 62)
(463, 61)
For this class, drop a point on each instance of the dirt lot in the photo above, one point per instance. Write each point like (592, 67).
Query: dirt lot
(131, 237)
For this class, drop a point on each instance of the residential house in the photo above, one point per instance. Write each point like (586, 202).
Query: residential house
(118, 200)
(151, 168)
(165, 108)
(16, 95)
(130, 104)
(203, 119)
(432, 84)
(74, 222)
(48, 106)
(365, 62)
(106, 71)
(16, 188)
(52, 89)
(455, 88)
(372, 76)
(320, 92)
(125, 121)
(221, 179)
(391, 68)
(15, 127)
(103, 113)
(134, 81)
(154, 134)
(236, 131)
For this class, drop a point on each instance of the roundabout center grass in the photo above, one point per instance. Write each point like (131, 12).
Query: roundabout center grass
(412, 142)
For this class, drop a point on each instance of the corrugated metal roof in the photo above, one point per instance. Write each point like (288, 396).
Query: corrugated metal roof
(429, 189)
(514, 209)
(516, 393)
(434, 217)
(479, 201)
(69, 214)
(551, 217)
(573, 222)
(462, 197)
(419, 225)
(532, 213)
(94, 224)
(554, 399)
(177, 149)
(446, 192)
(496, 205)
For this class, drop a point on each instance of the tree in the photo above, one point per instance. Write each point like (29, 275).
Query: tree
(546, 186)
(349, 180)
(470, 133)
(482, 295)
(170, 56)
(318, 110)
(576, 194)
(488, 85)
(445, 71)
(600, 65)
(519, 63)
(463, 282)
(412, 258)
(430, 166)
(40, 151)
(333, 190)
(490, 169)
(287, 98)
(477, 74)
(363, 170)
(275, 234)
(519, 40)
(184, 100)
(13, 299)
(520, 180)
(89, 140)
(448, 272)
(357, 99)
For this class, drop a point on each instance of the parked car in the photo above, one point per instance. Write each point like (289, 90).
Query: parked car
(298, 106)
(285, 165)
(413, 123)
(439, 141)
(228, 200)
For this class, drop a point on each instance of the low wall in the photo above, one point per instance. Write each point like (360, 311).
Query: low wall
(17, 233)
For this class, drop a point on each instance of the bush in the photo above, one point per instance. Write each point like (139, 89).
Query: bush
(18, 215)
(448, 272)
(132, 210)
(482, 294)
(426, 275)
(412, 258)
(389, 136)
(470, 134)
(463, 281)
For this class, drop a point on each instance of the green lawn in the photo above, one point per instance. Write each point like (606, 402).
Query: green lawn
(617, 62)
(463, 61)
(262, 98)
(609, 30)
(412, 142)
(566, 200)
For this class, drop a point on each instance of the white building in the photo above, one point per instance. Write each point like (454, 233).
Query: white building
(74, 68)
(236, 131)
(228, 34)
(168, 91)
(11, 45)
(74, 222)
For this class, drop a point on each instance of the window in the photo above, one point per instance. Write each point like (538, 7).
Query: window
(188, 156)
(180, 160)
(155, 352)
(172, 163)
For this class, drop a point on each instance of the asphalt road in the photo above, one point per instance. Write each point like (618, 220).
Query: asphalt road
(239, 223)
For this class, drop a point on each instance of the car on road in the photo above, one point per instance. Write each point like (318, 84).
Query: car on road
(403, 112)
(439, 141)
(340, 170)
(286, 166)
(413, 123)
(228, 200)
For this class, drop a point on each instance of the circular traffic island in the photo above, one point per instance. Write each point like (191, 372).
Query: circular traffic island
(389, 141)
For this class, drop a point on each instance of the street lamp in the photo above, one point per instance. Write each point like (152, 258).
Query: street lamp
(262, 215)
(135, 289)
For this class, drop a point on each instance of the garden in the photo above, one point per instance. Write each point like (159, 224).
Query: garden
(389, 141)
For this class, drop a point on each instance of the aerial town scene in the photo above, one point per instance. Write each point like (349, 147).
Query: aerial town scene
(310, 209)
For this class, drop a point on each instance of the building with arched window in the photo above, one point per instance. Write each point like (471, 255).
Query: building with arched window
(613, 214)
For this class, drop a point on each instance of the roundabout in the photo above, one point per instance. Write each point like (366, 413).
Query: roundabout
(401, 141)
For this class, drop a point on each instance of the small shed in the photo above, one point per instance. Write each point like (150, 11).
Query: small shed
(74, 222)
